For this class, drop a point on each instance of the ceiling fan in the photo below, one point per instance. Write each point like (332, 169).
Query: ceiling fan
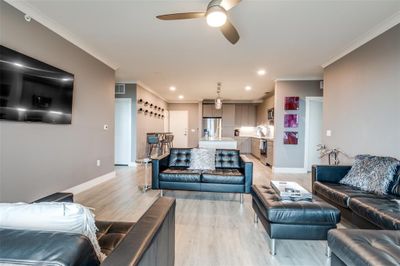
(216, 16)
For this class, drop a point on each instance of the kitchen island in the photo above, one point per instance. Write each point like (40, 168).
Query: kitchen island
(218, 143)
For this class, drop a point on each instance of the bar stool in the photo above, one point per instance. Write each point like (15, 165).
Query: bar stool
(167, 143)
(153, 142)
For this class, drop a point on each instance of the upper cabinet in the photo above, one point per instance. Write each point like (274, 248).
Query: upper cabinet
(245, 115)
(228, 115)
(210, 111)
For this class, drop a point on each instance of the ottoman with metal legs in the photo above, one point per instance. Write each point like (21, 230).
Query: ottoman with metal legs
(301, 220)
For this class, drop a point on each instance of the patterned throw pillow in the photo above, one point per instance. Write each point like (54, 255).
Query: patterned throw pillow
(371, 173)
(202, 159)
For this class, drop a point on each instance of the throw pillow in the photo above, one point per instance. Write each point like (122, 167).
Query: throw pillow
(202, 159)
(51, 216)
(394, 187)
(371, 173)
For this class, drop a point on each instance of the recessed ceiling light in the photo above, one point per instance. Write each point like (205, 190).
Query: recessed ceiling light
(172, 88)
(180, 96)
(247, 88)
(261, 72)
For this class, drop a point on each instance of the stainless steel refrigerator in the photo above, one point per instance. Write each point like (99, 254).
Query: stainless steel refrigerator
(212, 127)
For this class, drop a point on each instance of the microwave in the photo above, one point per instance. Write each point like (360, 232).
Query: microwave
(271, 114)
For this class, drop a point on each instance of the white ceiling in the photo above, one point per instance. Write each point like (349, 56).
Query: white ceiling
(290, 39)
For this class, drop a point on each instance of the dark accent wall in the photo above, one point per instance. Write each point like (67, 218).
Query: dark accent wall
(39, 159)
(362, 98)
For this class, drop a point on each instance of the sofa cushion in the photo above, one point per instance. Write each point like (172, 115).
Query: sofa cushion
(110, 234)
(365, 247)
(316, 212)
(35, 247)
(223, 176)
(227, 159)
(180, 175)
(383, 212)
(340, 194)
(371, 173)
(179, 157)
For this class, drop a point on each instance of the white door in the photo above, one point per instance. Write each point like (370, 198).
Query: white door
(123, 134)
(178, 125)
(313, 132)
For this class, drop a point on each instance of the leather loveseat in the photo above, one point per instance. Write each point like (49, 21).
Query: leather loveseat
(367, 211)
(234, 173)
(150, 241)
(364, 209)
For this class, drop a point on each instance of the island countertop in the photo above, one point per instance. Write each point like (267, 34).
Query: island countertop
(218, 143)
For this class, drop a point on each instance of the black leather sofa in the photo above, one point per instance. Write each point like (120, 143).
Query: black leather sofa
(149, 242)
(363, 209)
(234, 173)
(367, 211)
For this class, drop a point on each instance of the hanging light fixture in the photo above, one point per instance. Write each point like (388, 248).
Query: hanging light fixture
(218, 100)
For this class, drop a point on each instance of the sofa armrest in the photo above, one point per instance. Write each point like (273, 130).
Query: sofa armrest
(152, 239)
(247, 168)
(329, 173)
(57, 197)
(157, 165)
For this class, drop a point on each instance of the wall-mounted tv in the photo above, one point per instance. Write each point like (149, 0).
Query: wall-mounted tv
(33, 91)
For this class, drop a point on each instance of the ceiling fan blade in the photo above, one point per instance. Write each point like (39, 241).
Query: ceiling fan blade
(228, 4)
(229, 31)
(187, 15)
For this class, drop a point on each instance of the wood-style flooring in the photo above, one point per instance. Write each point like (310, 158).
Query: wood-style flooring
(211, 228)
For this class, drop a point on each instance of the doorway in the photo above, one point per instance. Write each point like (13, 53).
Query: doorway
(313, 131)
(123, 107)
(178, 125)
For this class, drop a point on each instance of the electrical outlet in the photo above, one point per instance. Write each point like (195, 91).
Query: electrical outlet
(329, 133)
(98, 162)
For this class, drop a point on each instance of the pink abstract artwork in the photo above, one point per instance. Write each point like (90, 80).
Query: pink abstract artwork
(291, 121)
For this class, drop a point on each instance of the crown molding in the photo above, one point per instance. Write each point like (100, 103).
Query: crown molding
(369, 35)
(299, 79)
(26, 8)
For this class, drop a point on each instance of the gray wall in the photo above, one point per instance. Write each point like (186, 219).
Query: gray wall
(130, 92)
(291, 156)
(39, 159)
(362, 98)
(193, 110)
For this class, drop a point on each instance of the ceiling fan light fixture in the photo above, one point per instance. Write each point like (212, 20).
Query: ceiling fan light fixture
(216, 16)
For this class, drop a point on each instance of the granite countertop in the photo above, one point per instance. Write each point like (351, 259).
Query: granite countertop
(217, 139)
(256, 137)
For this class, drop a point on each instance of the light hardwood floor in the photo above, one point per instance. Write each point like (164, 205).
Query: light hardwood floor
(211, 228)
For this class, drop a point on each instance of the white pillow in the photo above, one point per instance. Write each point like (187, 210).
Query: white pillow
(202, 159)
(51, 216)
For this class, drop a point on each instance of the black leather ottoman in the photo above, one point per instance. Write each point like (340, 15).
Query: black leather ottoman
(303, 220)
(364, 247)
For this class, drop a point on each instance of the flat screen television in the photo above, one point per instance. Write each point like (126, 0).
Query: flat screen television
(33, 91)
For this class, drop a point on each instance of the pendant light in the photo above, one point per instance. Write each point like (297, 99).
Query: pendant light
(218, 100)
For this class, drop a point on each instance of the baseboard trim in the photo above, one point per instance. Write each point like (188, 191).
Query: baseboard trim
(289, 170)
(91, 183)
(132, 164)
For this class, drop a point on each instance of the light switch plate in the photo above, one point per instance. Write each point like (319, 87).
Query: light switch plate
(329, 133)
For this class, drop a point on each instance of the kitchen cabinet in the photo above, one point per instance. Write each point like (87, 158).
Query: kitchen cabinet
(245, 115)
(270, 152)
(255, 147)
(228, 115)
(210, 111)
(244, 144)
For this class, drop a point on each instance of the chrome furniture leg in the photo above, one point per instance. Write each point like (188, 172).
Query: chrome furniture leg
(272, 250)
(255, 218)
(328, 251)
(241, 198)
(161, 193)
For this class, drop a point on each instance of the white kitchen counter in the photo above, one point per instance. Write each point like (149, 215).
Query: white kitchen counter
(218, 143)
